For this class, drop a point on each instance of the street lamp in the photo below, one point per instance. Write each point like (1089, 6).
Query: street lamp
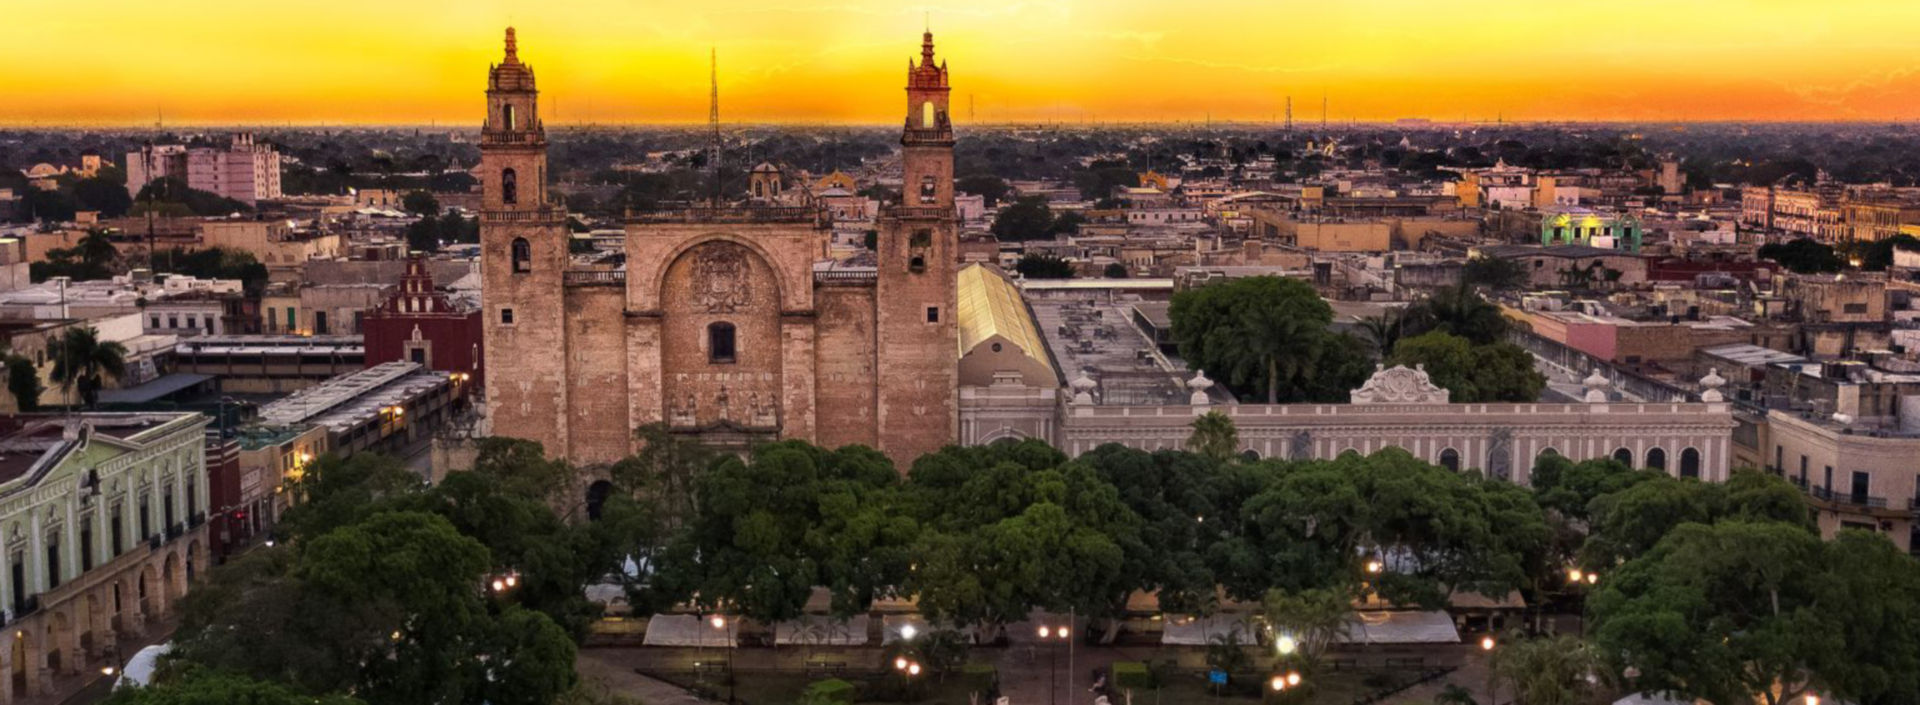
(1059, 633)
(1486, 643)
(907, 632)
(719, 622)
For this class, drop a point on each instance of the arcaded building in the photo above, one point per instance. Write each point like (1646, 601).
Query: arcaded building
(727, 322)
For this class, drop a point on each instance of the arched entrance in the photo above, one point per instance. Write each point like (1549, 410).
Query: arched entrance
(1623, 457)
(26, 678)
(1450, 459)
(1690, 463)
(59, 643)
(89, 615)
(148, 592)
(1656, 458)
(597, 498)
(173, 577)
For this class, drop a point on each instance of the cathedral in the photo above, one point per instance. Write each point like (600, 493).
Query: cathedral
(727, 323)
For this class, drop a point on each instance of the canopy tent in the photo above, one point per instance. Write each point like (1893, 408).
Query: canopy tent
(818, 630)
(139, 669)
(1400, 627)
(690, 630)
(1201, 631)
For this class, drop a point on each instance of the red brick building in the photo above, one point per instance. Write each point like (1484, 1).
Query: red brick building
(419, 323)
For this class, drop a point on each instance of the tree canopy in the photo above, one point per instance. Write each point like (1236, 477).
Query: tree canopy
(1499, 371)
(1268, 337)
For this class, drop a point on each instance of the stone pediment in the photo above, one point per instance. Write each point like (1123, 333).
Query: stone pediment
(1399, 385)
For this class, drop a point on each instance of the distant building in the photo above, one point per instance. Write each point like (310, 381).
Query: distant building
(244, 171)
(1581, 226)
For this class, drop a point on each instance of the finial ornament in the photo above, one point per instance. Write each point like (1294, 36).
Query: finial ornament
(513, 47)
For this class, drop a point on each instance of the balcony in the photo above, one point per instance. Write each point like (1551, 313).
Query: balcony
(594, 277)
(728, 214)
(1849, 498)
(543, 215)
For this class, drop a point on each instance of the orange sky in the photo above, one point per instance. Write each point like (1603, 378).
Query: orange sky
(405, 61)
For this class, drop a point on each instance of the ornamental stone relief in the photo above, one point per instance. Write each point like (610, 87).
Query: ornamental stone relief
(722, 283)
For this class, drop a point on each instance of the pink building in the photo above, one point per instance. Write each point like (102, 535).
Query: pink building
(245, 171)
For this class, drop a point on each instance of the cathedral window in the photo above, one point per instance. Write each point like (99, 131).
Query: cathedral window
(926, 114)
(720, 343)
(933, 314)
(506, 117)
(506, 316)
(509, 187)
(928, 192)
(522, 256)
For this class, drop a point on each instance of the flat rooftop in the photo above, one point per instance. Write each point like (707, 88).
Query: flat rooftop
(342, 392)
(1100, 338)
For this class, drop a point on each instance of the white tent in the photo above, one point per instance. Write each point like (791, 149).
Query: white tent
(690, 630)
(816, 630)
(1201, 631)
(139, 669)
(1400, 627)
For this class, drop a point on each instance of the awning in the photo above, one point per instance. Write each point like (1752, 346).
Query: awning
(690, 630)
(1400, 627)
(816, 630)
(1201, 631)
(155, 390)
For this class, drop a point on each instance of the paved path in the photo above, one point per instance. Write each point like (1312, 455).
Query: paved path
(610, 669)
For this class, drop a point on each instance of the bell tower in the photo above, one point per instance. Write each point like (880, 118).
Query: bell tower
(523, 257)
(915, 300)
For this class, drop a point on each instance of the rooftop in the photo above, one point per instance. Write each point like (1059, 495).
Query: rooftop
(345, 393)
(990, 306)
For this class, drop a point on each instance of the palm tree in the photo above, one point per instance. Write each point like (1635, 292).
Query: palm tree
(82, 361)
(1214, 437)
(1383, 330)
(1545, 671)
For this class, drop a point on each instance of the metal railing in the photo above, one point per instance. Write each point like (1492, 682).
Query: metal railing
(1855, 499)
(541, 215)
(845, 276)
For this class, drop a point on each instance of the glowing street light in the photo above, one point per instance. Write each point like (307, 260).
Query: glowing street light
(1574, 575)
(1286, 645)
(718, 622)
(1374, 567)
(1045, 632)
(1278, 682)
(907, 632)
(1293, 678)
(913, 669)
(900, 663)
(1486, 643)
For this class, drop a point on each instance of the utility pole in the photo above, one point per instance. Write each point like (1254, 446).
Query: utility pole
(1323, 111)
(1289, 115)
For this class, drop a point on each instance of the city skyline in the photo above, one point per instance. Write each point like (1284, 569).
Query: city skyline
(120, 63)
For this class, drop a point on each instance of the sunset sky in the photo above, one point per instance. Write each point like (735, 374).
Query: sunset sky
(104, 62)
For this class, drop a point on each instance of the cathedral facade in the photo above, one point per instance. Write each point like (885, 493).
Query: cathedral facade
(724, 323)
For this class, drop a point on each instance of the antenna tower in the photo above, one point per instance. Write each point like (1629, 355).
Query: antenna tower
(713, 124)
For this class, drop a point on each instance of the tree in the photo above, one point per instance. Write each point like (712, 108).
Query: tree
(91, 258)
(1492, 372)
(1457, 310)
(81, 361)
(420, 203)
(23, 381)
(1115, 270)
(767, 530)
(1803, 255)
(1214, 437)
(1309, 620)
(389, 607)
(1027, 218)
(1043, 266)
(1067, 223)
(1383, 330)
(1182, 501)
(1011, 527)
(1878, 255)
(103, 195)
(1742, 611)
(220, 263)
(175, 192)
(1260, 336)
(200, 686)
(1545, 670)
(454, 228)
(423, 235)
(990, 188)
(1493, 272)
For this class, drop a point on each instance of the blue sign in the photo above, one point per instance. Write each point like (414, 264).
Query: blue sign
(1217, 677)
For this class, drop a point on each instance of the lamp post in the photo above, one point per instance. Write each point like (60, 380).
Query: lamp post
(1059, 633)
(720, 624)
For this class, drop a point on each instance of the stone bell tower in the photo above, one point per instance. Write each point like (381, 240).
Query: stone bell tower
(523, 256)
(918, 341)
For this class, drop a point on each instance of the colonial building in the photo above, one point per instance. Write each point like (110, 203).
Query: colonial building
(104, 523)
(726, 322)
(419, 323)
